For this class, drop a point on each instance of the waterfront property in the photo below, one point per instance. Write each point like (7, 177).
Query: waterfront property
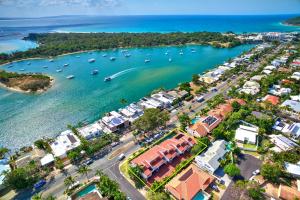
(65, 142)
(113, 122)
(210, 160)
(160, 160)
(91, 131)
(189, 183)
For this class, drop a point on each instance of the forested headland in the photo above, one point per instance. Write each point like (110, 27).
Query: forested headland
(53, 44)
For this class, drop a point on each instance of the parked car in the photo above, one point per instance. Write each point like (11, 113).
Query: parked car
(200, 99)
(39, 184)
(121, 156)
(214, 187)
(88, 162)
(214, 90)
(256, 172)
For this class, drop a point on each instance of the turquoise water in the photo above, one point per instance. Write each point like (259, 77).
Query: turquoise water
(9, 46)
(194, 121)
(86, 190)
(199, 196)
(26, 117)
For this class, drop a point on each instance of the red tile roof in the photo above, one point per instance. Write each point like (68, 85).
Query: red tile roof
(288, 193)
(189, 182)
(272, 99)
(154, 156)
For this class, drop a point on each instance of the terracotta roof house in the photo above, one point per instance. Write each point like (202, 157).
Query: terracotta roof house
(189, 183)
(288, 193)
(274, 100)
(206, 124)
(163, 153)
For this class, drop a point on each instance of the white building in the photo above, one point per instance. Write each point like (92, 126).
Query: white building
(282, 143)
(294, 130)
(65, 142)
(166, 100)
(270, 67)
(210, 160)
(250, 87)
(113, 121)
(91, 131)
(296, 76)
(293, 169)
(246, 134)
(131, 112)
(277, 90)
(47, 160)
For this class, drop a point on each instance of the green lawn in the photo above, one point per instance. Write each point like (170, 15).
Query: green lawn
(250, 146)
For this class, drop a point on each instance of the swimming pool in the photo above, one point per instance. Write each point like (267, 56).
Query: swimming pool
(86, 190)
(194, 121)
(200, 196)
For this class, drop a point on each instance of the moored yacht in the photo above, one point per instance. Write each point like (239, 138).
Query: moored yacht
(91, 60)
(112, 58)
(147, 60)
(67, 64)
(59, 70)
(94, 72)
(107, 79)
(104, 55)
(170, 59)
(70, 77)
(51, 60)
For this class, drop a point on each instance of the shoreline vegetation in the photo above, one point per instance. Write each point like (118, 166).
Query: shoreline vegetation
(25, 82)
(295, 21)
(56, 44)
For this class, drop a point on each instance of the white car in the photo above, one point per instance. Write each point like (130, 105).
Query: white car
(121, 156)
(256, 172)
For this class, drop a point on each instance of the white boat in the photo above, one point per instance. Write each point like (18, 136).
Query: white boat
(94, 72)
(181, 53)
(29, 63)
(127, 55)
(106, 79)
(51, 60)
(147, 60)
(104, 55)
(193, 50)
(70, 77)
(112, 58)
(22, 69)
(59, 70)
(170, 59)
(91, 60)
(67, 64)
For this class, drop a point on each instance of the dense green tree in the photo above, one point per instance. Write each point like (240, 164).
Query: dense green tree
(195, 79)
(109, 188)
(185, 86)
(135, 175)
(152, 119)
(271, 172)
(232, 170)
(184, 120)
(20, 178)
(68, 181)
(3, 151)
(202, 143)
(84, 170)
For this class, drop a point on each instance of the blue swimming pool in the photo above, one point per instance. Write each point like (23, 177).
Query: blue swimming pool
(194, 121)
(200, 196)
(86, 190)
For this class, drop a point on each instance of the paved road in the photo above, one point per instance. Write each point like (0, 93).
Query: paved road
(56, 187)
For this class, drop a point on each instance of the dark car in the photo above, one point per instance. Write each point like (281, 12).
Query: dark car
(88, 162)
(39, 184)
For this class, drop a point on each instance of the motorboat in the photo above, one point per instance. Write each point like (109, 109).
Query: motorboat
(94, 72)
(112, 58)
(22, 69)
(127, 55)
(147, 60)
(45, 67)
(29, 63)
(106, 79)
(51, 60)
(180, 53)
(170, 59)
(59, 70)
(70, 77)
(104, 55)
(91, 60)
(66, 65)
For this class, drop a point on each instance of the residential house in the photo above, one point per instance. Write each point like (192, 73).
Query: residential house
(294, 105)
(282, 143)
(296, 76)
(187, 184)
(166, 100)
(148, 102)
(47, 160)
(294, 130)
(246, 134)
(282, 126)
(266, 71)
(113, 122)
(204, 126)
(292, 169)
(163, 153)
(288, 193)
(250, 87)
(257, 77)
(25, 158)
(277, 90)
(270, 67)
(210, 160)
(274, 100)
(64, 143)
(131, 112)
(295, 97)
(91, 131)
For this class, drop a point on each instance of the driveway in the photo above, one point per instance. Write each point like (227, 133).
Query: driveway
(247, 165)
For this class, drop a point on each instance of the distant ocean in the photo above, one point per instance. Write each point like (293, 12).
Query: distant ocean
(13, 29)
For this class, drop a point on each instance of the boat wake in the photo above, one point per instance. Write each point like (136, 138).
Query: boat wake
(122, 72)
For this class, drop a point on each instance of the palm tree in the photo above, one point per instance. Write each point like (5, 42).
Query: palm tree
(123, 101)
(99, 173)
(84, 170)
(69, 181)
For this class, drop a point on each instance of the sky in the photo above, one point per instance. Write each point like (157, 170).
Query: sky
(40, 8)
